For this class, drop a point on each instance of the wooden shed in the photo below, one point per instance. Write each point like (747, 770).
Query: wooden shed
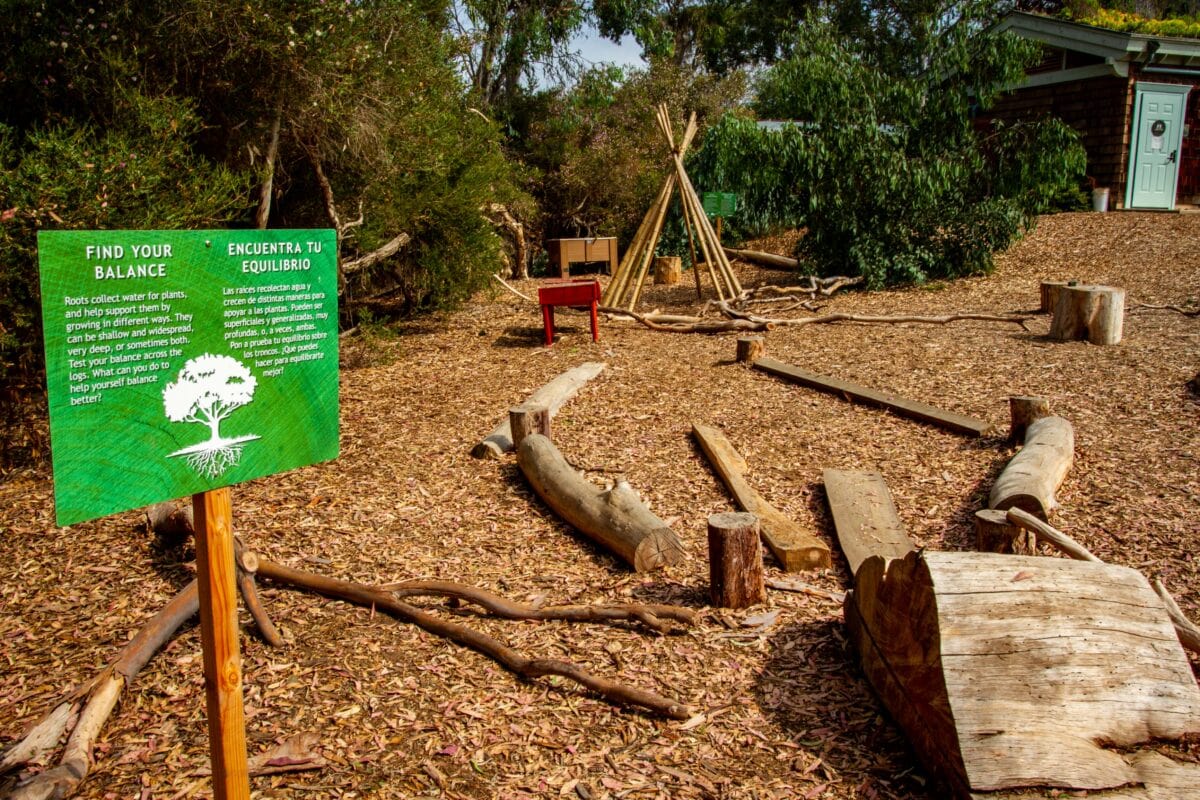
(1131, 96)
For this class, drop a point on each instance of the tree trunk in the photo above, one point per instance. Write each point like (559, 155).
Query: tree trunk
(615, 518)
(667, 270)
(751, 348)
(553, 395)
(735, 565)
(263, 215)
(1009, 671)
(1037, 470)
(1023, 411)
(1092, 313)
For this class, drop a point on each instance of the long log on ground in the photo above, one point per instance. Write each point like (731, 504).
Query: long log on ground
(876, 319)
(959, 423)
(553, 395)
(507, 657)
(1037, 470)
(763, 258)
(701, 326)
(615, 518)
(865, 517)
(796, 548)
(1012, 671)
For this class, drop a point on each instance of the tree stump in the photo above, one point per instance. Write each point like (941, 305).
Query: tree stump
(668, 270)
(995, 534)
(528, 418)
(750, 349)
(1049, 295)
(735, 564)
(1025, 410)
(1092, 313)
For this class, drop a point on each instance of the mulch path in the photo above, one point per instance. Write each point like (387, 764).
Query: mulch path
(785, 711)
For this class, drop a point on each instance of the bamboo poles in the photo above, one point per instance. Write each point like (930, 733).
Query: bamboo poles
(626, 286)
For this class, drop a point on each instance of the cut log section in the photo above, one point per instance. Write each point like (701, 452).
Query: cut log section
(735, 564)
(1024, 410)
(528, 418)
(1049, 295)
(615, 518)
(865, 517)
(912, 409)
(1037, 470)
(1016, 671)
(995, 534)
(553, 395)
(795, 548)
(1092, 313)
(750, 349)
(668, 270)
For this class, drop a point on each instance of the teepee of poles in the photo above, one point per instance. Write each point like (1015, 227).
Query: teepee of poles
(625, 287)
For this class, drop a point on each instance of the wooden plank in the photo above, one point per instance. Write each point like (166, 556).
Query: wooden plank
(795, 548)
(219, 644)
(865, 516)
(959, 423)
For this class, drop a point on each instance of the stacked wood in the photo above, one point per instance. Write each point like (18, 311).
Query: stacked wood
(1092, 313)
(624, 290)
(959, 423)
(735, 564)
(1024, 410)
(1049, 295)
(615, 518)
(552, 395)
(1037, 470)
(795, 548)
(668, 270)
(1013, 671)
(750, 349)
(865, 517)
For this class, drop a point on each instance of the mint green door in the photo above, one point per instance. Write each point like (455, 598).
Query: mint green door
(1154, 152)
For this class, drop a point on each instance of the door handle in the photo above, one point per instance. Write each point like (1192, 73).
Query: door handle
(1171, 158)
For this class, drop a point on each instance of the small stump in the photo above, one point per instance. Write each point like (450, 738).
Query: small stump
(735, 564)
(994, 534)
(528, 418)
(1092, 313)
(751, 348)
(667, 270)
(1025, 411)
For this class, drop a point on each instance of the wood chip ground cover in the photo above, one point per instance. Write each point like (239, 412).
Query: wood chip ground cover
(782, 711)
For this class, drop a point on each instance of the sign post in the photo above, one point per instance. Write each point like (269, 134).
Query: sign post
(180, 363)
(719, 205)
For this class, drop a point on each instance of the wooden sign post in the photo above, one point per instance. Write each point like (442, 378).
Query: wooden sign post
(181, 363)
(215, 578)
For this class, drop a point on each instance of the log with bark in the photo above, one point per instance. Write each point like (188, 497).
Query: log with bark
(1008, 671)
(552, 395)
(796, 548)
(1037, 470)
(615, 518)
(735, 564)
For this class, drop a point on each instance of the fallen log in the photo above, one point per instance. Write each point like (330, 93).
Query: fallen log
(865, 517)
(795, 548)
(700, 326)
(959, 423)
(763, 258)
(615, 518)
(1037, 470)
(1012, 671)
(553, 395)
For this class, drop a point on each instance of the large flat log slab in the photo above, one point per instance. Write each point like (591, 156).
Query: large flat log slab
(1016, 671)
(912, 409)
(796, 548)
(1034, 474)
(558, 391)
(615, 518)
(865, 517)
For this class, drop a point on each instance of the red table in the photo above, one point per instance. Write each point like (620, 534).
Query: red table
(568, 293)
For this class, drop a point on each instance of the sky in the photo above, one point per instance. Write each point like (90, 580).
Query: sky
(594, 48)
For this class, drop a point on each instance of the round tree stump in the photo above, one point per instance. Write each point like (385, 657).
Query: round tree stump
(751, 348)
(1092, 313)
(994, 534)
(1049, 295)
(667, 270)
(528, 418)
(735, 564)
(1025, 410)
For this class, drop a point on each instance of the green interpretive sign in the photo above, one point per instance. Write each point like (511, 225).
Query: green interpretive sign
(183, 361)
(719, 204)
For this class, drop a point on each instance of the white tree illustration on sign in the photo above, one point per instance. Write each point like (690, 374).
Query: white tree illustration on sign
(210, 388)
